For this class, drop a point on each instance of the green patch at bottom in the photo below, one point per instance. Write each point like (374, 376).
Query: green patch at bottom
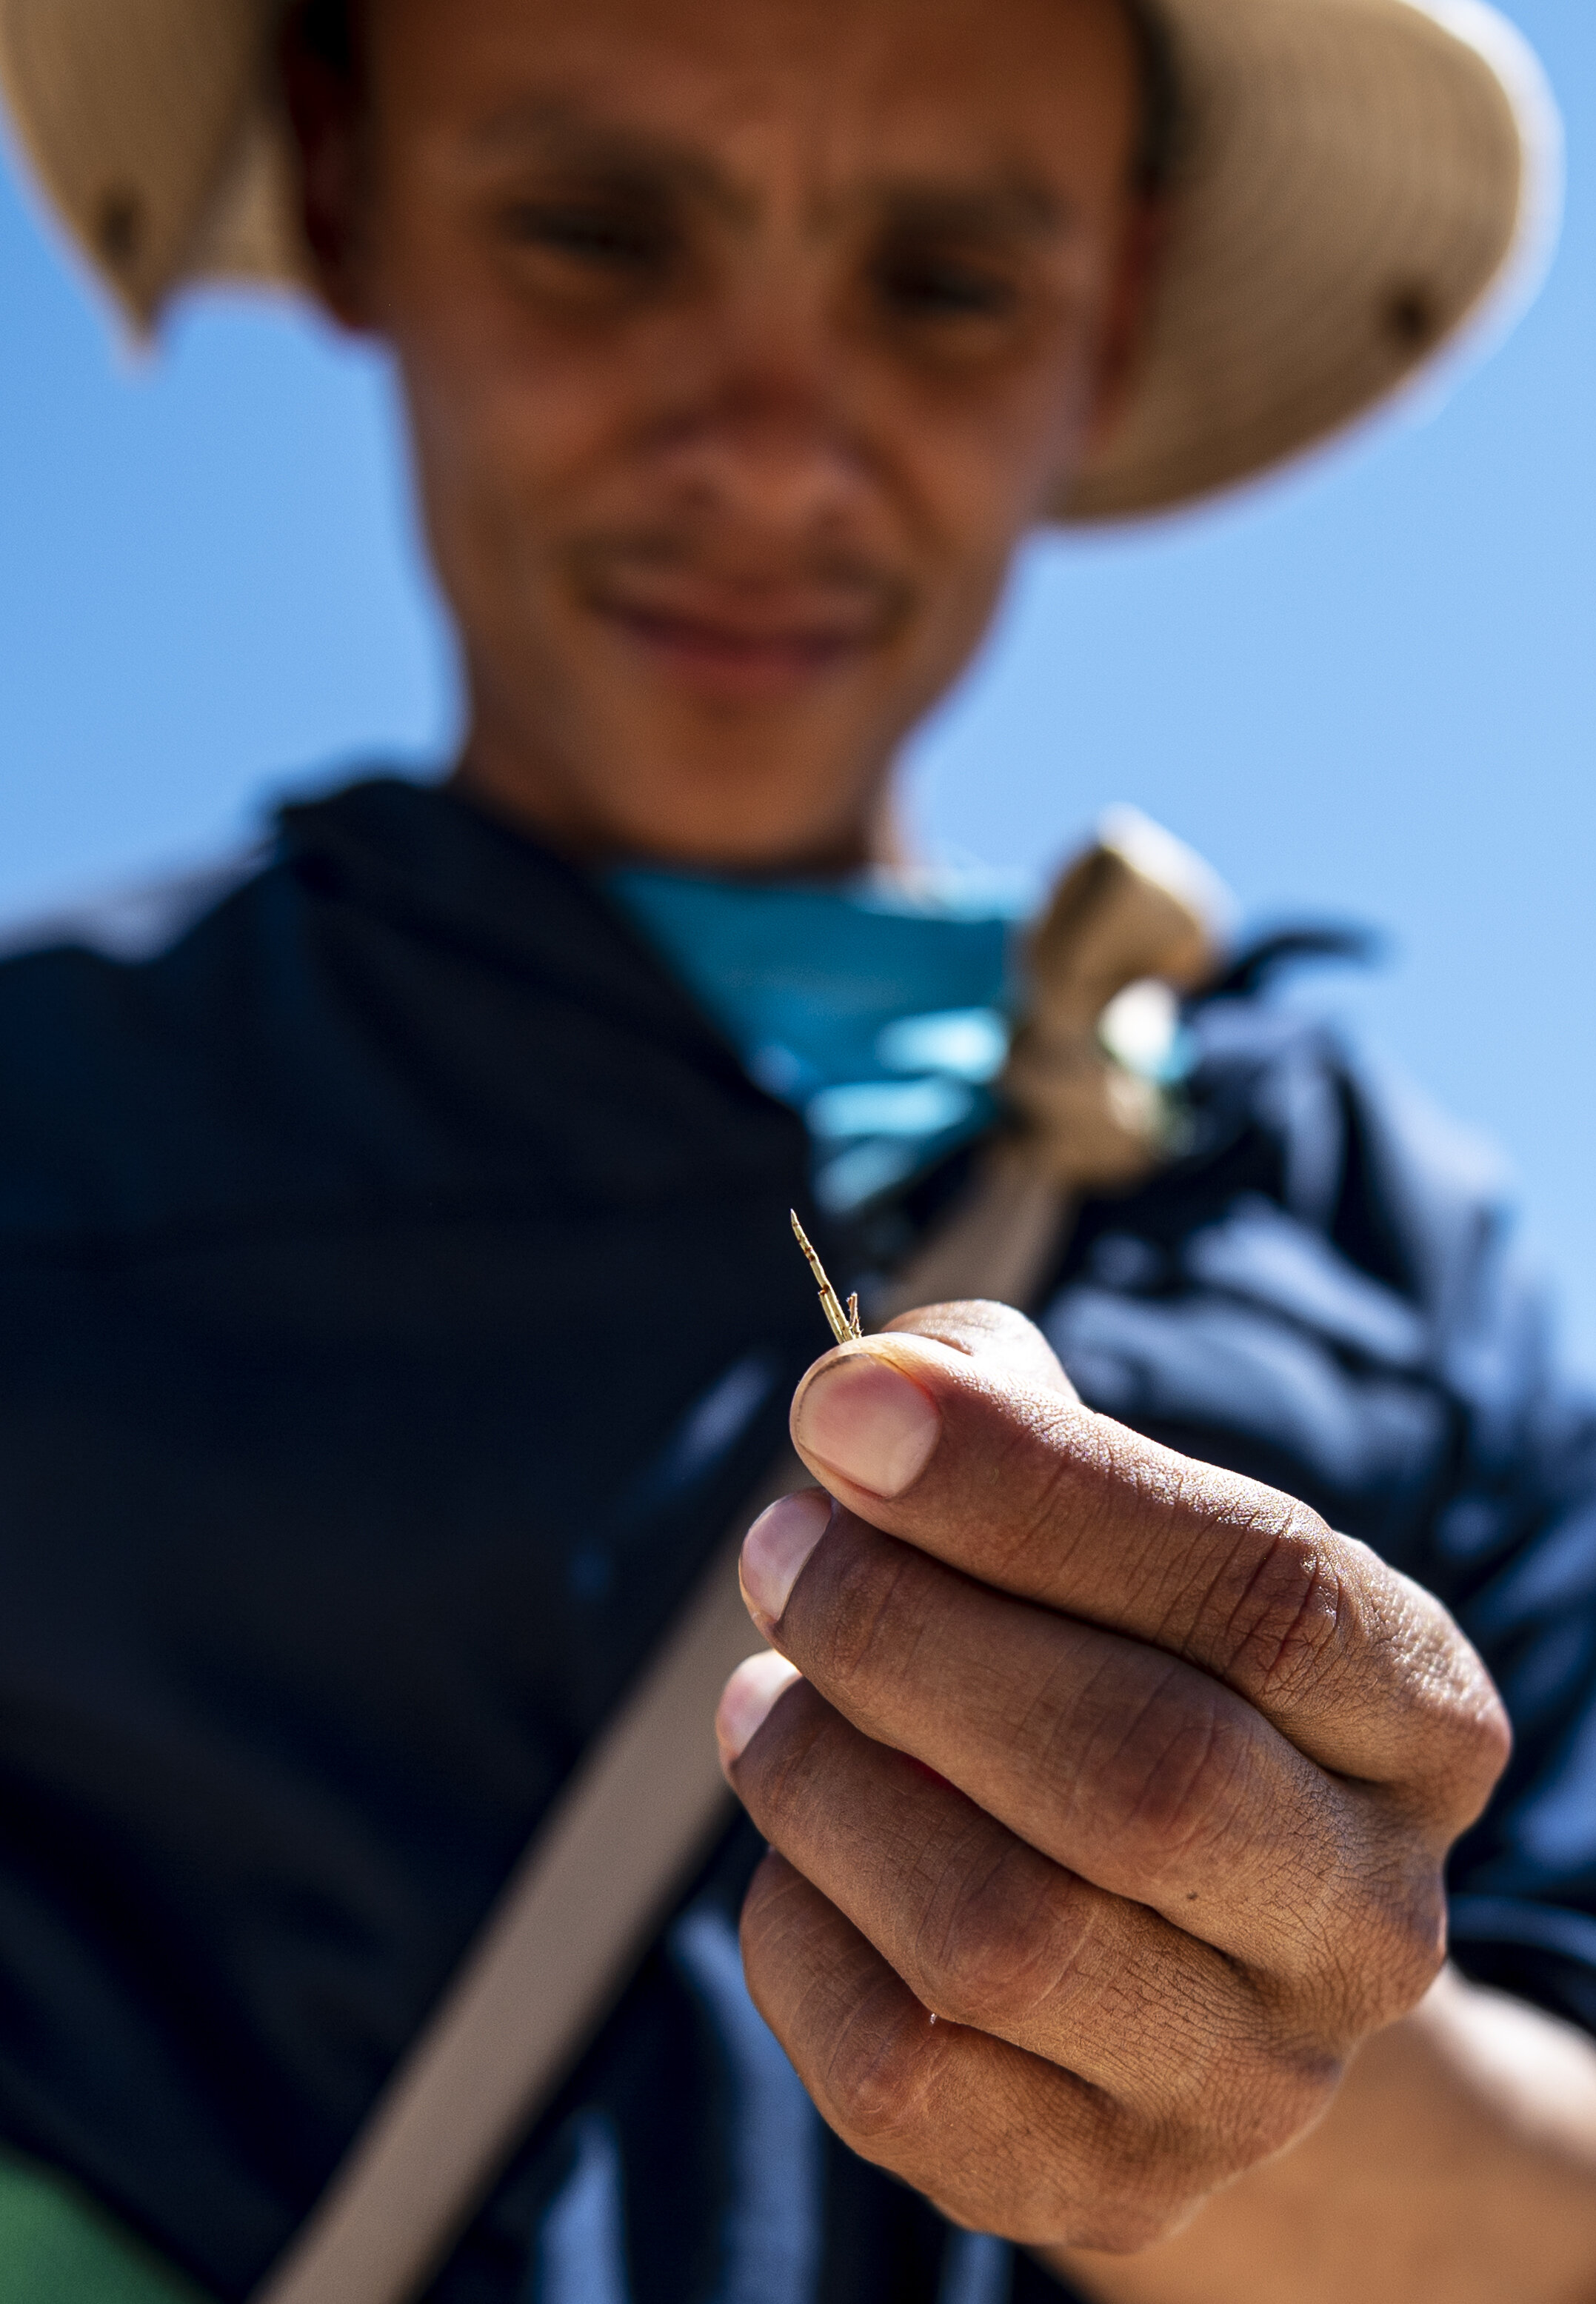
(57, 2247)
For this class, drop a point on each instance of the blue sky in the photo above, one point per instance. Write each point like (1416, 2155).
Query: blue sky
(1368, 691)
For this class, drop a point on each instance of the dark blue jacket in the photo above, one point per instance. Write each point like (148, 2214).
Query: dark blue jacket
(396, 1302)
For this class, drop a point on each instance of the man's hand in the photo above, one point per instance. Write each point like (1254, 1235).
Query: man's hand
(1108, 1815)
(1458, 2166)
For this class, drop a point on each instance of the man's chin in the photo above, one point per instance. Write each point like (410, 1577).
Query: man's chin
(703, 794)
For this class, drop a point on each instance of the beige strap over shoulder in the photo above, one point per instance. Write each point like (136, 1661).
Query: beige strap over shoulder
(577, 1915)
(1136, 911)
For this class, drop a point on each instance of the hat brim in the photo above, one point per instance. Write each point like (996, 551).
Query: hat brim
(1360, 184)
(1356, 182)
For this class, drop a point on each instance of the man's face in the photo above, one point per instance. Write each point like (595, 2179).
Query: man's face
(743, 340)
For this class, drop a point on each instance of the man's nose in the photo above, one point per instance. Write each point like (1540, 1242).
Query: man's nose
(769, 437)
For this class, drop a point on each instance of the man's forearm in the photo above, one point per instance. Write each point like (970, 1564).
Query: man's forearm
(1458, 2166)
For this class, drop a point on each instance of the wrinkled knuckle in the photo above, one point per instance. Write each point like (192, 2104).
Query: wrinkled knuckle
(1290, 1623)
(1174, 1774)
(780, 1778)
(1003, 1950)
(1366, 1952)
(1478, 1743)
(875, 2084)
(1252, 2106)
(852, 1637)
(1206, 2133)
(1269, 2099)
(1024, 2177)
(1449, 1734)
(1154, 2165)
(1400, 1934)
(1143, 2184)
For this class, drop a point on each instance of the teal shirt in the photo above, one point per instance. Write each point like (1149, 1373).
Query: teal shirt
(879, 1006)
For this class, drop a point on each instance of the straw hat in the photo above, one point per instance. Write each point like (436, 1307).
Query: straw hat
(1356, 182)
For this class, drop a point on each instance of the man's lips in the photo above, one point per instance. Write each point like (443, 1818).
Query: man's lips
(796, 645)
(728, 646)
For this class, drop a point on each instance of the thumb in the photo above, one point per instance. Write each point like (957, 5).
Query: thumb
(1004, 1341)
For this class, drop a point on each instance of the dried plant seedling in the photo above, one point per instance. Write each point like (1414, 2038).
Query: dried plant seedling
(845, 1326)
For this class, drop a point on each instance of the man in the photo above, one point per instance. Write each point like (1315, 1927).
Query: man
(398, 1289)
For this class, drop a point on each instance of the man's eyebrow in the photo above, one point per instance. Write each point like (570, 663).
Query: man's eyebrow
(630, 157)
(1006, 205)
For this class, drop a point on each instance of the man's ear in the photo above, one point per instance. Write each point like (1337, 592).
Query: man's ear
(325, 105)
(1145, 234)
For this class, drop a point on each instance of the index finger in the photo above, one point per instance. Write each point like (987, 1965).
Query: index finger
(947, 1441)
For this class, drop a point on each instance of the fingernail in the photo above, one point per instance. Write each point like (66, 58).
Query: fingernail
(776, 1546)
(746, 1700)
(872, 1425)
